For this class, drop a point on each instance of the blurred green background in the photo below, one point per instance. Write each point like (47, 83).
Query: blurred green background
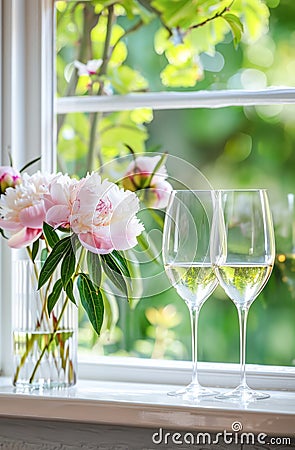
(232, 146)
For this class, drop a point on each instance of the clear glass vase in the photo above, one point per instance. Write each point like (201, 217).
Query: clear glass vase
(44, 346)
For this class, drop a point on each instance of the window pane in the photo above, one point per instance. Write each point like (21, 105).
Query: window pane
(233, 147)
(134, 49)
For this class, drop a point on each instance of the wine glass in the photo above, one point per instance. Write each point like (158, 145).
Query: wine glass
(186, 255)
(242, 253)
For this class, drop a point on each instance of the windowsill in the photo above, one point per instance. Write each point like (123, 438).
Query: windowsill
(148, 405)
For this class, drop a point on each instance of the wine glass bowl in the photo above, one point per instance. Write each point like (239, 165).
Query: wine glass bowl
(186, 256)
(242, 254)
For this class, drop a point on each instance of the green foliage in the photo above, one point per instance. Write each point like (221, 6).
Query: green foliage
(35, 249)
(94, 268)
(92, 301)
(57, 254)
(115, 273)
(236, 26)
(2, 233)
(68, 266)
(100, 30)
(69, 290)
(87, 270)
(54, 295)
(124, 80)
(50, 235)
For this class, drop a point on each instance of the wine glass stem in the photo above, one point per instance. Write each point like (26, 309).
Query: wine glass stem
(194, 315)
(243, 314)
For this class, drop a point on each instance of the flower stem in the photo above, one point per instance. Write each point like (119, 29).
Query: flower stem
(53, 334)
(29, 347)
(31, 340)
(43, 297)
(58, 320)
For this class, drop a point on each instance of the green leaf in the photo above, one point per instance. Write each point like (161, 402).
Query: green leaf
(125, 80)
(182, 76)
(69, 290)
(58, 251)
(94, 268)
(54, 295)
(179, 13)
(68, 266)
(114, 274)
(30, 164)
(256, 18)
(117, 128)
(2, 234)
(44, 255)
(50, 235)
(120, 261)
(35, 249)
(159, 164)
(92, 301)
(236, 27)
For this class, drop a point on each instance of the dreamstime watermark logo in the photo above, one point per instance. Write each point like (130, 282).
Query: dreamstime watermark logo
(235, 436)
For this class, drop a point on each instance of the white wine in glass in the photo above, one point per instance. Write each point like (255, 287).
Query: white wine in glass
(242, 253)
(186, 255)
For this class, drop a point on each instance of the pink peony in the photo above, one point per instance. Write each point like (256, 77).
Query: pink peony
(22, 210)
(9, 177)
(155, 190)
(58, 200)
(98, 212)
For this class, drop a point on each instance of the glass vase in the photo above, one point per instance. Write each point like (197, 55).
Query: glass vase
(44, 345)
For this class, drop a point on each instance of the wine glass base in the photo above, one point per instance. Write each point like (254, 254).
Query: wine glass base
(193, 392)
(242, 394)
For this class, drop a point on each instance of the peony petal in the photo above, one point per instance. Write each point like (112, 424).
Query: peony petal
(24, 237)
(162, 190)
(33, 216)
(123, 234)
(58, 215)
(125, 204)
(48, 202)
(144, 166)
(58, 192)
(10, 225)
(99, 242)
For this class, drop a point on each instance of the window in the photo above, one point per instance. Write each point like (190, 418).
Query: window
(238, 140)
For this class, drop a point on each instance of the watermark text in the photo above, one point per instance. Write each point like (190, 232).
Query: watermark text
(235, 436)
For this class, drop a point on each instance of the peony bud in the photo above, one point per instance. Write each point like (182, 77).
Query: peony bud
(145, 176)
(9, 177)
(157, 196)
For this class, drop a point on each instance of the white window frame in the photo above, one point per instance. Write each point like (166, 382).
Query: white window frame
(28, 130)
(27, 116)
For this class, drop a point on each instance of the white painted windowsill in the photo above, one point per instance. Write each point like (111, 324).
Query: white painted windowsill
(148, 405)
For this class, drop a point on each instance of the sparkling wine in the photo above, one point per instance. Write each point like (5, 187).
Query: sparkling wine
(243, 282)
(194, 282)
